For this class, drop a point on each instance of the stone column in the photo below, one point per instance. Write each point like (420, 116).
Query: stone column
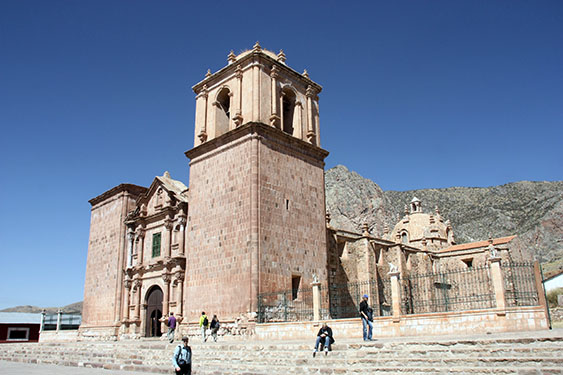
(166, 294)
(142, 326)
(130, 240)
(168, 238)
(203, 97)
(498, 284)
(541, 293)
(274, 117)
(317, 124)
(282, 95)
(180, 293)
(141, 245)
(316, 299)
(237, 119)
(395, 295)
(59, 316)
(137, 289)
(256, 85)
(182, 234)
(310, 126)
(127, 284)
(299, 119)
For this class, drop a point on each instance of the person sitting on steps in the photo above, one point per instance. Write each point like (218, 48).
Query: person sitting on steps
(324, 338)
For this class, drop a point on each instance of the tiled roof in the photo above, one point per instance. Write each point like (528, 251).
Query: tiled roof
(475, 245)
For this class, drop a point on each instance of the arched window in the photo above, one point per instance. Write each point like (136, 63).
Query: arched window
(288, 110)
(404, 237)
(223, 111)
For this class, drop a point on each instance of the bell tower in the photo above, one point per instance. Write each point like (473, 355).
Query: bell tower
(256, 220)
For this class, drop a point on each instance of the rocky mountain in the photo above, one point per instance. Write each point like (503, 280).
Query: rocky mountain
(531, 210)
(74, 307)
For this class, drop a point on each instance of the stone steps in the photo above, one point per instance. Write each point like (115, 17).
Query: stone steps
(484, 355)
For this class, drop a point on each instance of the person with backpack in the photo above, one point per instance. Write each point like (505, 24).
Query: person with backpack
(182, 359)
(214, 327)
(203, 324)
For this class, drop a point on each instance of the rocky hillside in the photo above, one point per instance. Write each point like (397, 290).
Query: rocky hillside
(532, 210)
(75, 307)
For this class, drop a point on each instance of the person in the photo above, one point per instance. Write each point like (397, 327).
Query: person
(366, 314)
(203, 324)
(324, 338)
(182, 359)
(171, 327)
(214, 327)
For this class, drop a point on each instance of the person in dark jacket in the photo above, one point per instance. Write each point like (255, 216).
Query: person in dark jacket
(366, 314)
(214, 327)
(325, 337)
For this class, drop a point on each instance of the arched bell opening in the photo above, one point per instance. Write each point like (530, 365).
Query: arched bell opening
(223, 111)
(288, 110)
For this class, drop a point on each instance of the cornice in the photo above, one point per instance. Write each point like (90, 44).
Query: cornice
(134, 190)
(251, 58)
(266, 133)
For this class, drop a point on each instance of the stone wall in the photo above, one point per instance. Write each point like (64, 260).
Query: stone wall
(450, 323)
(291, 216)
(106, 257)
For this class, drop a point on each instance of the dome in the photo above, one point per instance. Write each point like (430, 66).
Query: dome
(423, 230)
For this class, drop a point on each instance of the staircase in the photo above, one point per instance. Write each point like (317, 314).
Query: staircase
(520, 353)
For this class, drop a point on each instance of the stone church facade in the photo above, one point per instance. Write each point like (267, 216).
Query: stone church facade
(253, 219)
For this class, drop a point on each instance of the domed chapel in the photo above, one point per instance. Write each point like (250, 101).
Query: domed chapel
(252, 221)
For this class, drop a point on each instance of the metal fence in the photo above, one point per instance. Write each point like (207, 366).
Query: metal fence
(69, 321)
(288, 305)
(452, 290)
(343, 300)
(520, 284)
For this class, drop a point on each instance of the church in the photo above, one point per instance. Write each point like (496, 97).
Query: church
(253, 219)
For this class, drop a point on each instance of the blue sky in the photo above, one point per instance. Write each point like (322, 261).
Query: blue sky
(417, 94)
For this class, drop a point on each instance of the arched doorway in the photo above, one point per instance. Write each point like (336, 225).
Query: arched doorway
(154, 312)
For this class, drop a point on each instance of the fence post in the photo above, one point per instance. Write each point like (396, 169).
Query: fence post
(42, 324)
(59, 314)
(395, 295)
(316, 300)
(498, 284)
(541, 292)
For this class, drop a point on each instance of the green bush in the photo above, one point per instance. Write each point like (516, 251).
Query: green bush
(552, 296)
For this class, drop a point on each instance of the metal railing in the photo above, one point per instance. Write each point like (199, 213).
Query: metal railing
(462, 289)
(520, 284)
(67, 321)
(287, 305)
(452, 290)
(343, 300)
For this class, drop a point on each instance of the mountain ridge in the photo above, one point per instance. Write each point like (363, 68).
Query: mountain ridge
(533, 210)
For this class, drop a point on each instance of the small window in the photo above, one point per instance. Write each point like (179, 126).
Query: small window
(405, 238)
(18, 334)
(295, 282)
(468, 262)
(156, 245)
(287, 204)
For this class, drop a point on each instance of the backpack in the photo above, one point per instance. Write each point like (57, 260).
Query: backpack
(205, 322)
(182, 362)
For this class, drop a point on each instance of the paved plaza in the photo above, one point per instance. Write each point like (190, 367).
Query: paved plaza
(17, 368)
